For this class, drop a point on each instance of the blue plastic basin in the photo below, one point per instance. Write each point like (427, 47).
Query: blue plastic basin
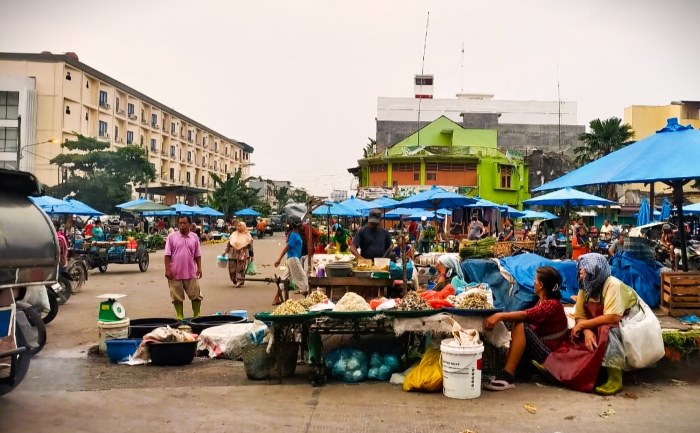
(119, 349)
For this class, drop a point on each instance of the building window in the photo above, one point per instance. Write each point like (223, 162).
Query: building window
(116, 132)
(202, 181)
(204, 141)
(506, 174)
(172, 127)
(172, 150)
(204, 161)
(189, 156)
(67, 109)
(216, 146)
(416, 177)
(8, 139)
(154, 146)
(189, 136)
(103, 98)
(215, 165)
(130, 109)
(129, 137)
(431, 176)
(154, 119)
(172, 174)
(141, 140)
(378, 168)
(236, 156)
(431, 172)
(187, 177)
(116, 104)
(225, 168)
(103, 129)
(68, 76)
(9, 105)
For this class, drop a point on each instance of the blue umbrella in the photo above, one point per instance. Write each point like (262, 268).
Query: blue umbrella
(177, 209)
(482, 202)
(532, 214)
(399, 212)
(383, 202)
(513, 212)
(669, 156)
(131, 203)
(337, 209)
(246, 212)
(643, 214)
(436, 198)
(56, 206)
(208, 211)
(424, 214)
(567, 197)
(356, 204)
(692, 209)
(665, 210)
(84, 209)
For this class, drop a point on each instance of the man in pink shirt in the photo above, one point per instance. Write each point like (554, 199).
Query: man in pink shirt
(183, 267)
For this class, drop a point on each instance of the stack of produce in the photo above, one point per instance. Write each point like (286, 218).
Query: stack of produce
(314, 298)
(412, 302)
(481, 248)
(352, 302)
(473, 301)
(289, 307)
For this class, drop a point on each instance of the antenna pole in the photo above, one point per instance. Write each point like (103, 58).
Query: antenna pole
(559, 109)
(422, 71)
(462, 90)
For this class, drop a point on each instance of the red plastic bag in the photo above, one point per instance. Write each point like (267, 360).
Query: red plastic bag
(374, 303)
(447, 291)
(439, 303)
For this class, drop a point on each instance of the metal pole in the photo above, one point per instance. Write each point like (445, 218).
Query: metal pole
(678, 201)
(19, 142)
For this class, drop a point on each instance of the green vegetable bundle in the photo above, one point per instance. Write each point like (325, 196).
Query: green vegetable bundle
(478, 249)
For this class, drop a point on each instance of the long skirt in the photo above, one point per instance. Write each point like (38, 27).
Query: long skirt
(237, 265)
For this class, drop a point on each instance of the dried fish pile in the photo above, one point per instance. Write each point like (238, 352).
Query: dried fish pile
(412, 302)
(289, 307)
(474, 301)
(314, 298)
(352, 302)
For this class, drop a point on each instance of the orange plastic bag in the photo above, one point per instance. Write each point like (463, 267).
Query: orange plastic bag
(374, 303)
(427, 376)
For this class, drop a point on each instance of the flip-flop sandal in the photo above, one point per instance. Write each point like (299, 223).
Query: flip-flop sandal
(499, 385)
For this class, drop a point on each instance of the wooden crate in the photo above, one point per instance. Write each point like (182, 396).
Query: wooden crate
(680, 293)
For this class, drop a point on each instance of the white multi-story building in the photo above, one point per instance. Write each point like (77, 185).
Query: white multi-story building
(56, 97)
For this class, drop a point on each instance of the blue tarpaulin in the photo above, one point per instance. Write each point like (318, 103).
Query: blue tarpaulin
(523, 266)
(642, 275)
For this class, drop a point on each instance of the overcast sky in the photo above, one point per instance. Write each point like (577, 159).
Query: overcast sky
(298, 80)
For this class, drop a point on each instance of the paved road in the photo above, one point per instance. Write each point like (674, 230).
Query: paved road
(68, 391)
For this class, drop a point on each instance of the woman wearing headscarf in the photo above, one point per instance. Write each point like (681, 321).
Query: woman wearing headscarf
(239, 249)
(595, 340)
(447, 267)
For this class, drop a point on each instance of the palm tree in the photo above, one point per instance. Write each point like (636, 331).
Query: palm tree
(232, 193)
(605, 137)
(282, 197)
(299, 195)
(369, 148)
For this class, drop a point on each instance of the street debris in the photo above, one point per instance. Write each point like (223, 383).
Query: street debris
(530, 408)
(608, 412)
(630, 395)
(679, 382)
(570, 418)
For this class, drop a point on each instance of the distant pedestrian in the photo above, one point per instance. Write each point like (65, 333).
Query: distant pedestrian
(239, 250)
(293, 252)
(183, 267)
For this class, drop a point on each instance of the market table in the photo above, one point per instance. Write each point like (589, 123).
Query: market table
(365, 287)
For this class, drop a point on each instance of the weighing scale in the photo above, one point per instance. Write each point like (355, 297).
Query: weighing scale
(111, 310)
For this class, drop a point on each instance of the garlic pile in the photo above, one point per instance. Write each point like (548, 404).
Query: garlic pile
(289, 307)
(352, 302)
(314, 298)
(474, 301)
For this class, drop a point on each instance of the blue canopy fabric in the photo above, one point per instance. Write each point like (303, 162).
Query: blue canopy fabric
(383, 202)
(399, 212)
(641, 275)
(436, 198)
(177, 209)
(669, 155)
(208, 211)
(55, 206)
(567, 197)
(247, 212)
(535, 215)
(665, 210)
(482, 202)
(424, 213)
(131, 203)
(337, 209)
(692, 209)
(643, 216)
(84, 209)
(355, 203)
(513, 212)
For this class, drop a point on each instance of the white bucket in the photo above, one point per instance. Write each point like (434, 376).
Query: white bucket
(107, 330)
(461, 370)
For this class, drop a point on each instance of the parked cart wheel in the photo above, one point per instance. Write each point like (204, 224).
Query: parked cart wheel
(102, 268)
(143, 263)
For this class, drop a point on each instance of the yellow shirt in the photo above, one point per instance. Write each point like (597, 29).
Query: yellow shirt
(618, 297)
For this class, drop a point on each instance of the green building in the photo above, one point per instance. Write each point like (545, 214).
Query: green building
(445, 154)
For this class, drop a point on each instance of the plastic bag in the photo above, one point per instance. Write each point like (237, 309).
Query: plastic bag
(347, 365)
(382, 366)
(396, 270)
(250, 269)
(38, 297)
(641, 336)
(427, 376)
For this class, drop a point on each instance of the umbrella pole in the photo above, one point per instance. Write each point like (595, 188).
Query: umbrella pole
(678, 201)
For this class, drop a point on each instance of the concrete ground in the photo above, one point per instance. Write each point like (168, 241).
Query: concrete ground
(68, 391)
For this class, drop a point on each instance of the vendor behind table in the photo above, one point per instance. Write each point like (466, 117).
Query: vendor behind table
(371, 240)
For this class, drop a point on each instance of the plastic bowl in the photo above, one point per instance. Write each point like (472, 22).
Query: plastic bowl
(172, 353)
(338, 272)
(140, 327)
(119, 349)
(201, 323)
(381, 274)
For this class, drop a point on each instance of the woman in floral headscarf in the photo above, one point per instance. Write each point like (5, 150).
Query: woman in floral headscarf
(595, 340)
(239, 250)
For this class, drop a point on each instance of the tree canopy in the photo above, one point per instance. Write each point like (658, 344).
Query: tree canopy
(99, 176)
(232, 193)
(605, 137)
